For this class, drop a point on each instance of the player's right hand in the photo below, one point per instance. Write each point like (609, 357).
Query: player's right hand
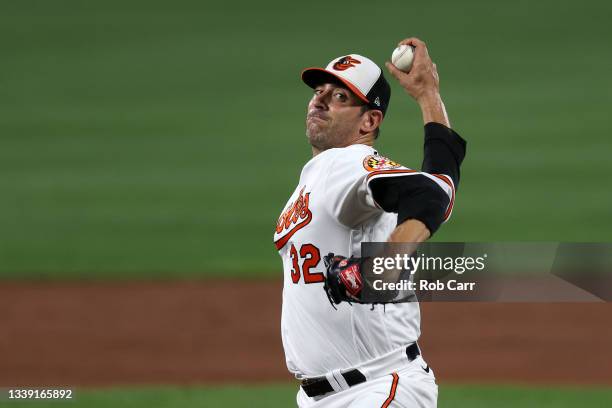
(422, 81)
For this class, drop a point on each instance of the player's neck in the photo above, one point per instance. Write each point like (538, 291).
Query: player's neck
(367, 139)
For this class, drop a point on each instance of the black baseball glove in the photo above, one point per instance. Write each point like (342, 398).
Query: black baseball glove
(345, 281)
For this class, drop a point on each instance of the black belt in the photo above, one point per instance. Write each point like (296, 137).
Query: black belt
(313, 387)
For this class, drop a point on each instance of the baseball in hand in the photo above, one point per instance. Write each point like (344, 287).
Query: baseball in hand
(402, 57)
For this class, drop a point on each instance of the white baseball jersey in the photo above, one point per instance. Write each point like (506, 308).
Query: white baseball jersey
(333, 210)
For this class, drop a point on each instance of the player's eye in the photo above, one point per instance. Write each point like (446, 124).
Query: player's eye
(318, 91)
(340, 96)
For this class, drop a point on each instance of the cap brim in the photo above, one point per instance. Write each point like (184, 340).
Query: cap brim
(314, 77)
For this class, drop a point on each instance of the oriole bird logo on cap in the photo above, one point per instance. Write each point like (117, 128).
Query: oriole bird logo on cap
(345, 63)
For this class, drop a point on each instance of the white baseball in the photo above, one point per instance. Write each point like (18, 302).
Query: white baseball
(402, 57)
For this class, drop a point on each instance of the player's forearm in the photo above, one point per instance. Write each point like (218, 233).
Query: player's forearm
(411, 230)
(409, 233)
(433, 109)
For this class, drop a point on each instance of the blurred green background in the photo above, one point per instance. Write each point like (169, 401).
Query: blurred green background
(162, 139)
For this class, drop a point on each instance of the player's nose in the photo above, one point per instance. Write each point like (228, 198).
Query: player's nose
(320, 101)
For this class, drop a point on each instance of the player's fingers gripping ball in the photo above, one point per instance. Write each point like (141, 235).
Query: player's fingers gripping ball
(402, 57)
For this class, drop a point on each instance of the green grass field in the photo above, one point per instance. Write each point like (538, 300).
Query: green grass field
(149, 139)
(456, 396)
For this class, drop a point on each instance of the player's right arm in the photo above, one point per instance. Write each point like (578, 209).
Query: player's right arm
(421, 207)
(444, 149)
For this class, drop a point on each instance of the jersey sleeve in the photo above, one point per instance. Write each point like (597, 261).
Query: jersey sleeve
(360, 185)
(414, 194)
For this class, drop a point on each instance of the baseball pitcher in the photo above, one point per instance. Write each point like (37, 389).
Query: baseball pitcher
(345, 351)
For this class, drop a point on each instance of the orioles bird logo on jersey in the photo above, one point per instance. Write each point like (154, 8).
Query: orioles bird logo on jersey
(294, 218)
(345, 63)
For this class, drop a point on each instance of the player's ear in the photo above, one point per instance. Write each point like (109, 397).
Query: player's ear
(371, 120)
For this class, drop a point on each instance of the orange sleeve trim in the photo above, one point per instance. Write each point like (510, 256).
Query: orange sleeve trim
(452, 202)
(391, 396)
(442, 177)
(395, 171)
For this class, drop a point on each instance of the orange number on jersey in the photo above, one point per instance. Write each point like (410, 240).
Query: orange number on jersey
(312, 257)
(295, 272)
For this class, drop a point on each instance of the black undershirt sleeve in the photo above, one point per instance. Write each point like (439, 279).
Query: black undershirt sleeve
(417, 196)
(412, 197)
(443, 151)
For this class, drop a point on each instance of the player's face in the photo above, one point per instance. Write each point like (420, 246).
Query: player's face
(333, 118)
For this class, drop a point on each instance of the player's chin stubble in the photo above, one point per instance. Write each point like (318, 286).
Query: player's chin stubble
(319, 136)
(314, 133)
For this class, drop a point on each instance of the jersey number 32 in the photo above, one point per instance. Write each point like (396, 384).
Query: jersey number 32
(311, 258)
